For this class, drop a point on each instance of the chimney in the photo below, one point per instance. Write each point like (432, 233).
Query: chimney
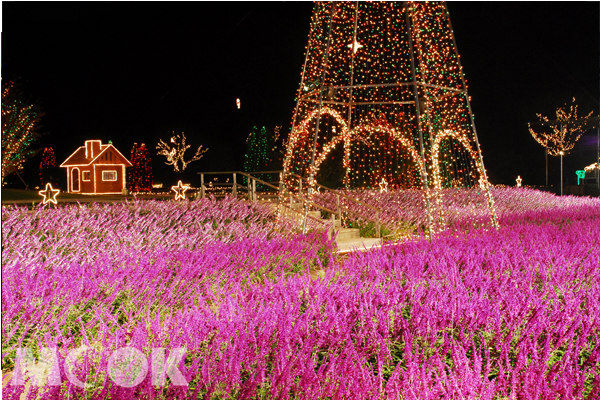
(92, 148)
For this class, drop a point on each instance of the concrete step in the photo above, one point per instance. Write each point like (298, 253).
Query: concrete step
(360, 244)
(348, 233)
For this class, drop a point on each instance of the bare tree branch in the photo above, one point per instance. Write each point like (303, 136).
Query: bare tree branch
(565, 130)
(175, 154)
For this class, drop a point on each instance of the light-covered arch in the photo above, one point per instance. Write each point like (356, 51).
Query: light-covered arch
(435, 154)
(347, 136)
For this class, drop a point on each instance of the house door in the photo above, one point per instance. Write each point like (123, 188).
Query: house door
(75, 180)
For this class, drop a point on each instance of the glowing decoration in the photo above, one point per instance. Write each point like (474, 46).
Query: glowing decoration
(20, 121)
(48, 166)
(258, 154)
(238, 103)
(180, 190)
(355, 46)
(276, 133)
(49, 194)
(175, 154)
(398, 110)
(140, 176)
(580, 175)
(96, 168)
(519, 180)
(592, 167)
(310, 85)
(564, 131)
(383, 186)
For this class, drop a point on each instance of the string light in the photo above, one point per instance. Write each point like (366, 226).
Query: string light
(257, 156)
(383, 186)
(592, 167)
(403, 90)
(175, 154)
(564, 132)
(276, 133)
(180, 190)
(140, 175)
(49, 194)
(355, 46)
(19, 124)
(47, 165)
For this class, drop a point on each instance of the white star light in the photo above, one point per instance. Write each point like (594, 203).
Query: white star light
(180, 190)
(383, 186)
(49, 194)
(355, 46)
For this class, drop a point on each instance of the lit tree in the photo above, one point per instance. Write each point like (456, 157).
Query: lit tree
(383, 89)
(175, 154)
(140, 175)
(257, 156)
(48, 170)
(19, 124)
(564, 132)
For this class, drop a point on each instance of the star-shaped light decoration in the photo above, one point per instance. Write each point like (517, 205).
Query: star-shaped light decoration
(519, 180)
(355, 46)
(180, 190)
(383, 185)
(49, 194)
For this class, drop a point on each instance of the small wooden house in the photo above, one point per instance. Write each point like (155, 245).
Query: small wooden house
(96, 168)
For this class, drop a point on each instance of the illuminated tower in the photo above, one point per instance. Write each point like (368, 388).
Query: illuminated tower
(382, 86)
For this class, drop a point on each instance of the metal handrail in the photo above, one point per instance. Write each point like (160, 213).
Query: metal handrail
(235, 185)
(339, 193)
(251, 188)
(378, 212)
(329, 231)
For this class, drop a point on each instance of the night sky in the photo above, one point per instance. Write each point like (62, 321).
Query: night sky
(136, 72)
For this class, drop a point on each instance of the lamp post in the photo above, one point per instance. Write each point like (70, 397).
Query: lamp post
(562, 153)
(546, 167)
(561, 172)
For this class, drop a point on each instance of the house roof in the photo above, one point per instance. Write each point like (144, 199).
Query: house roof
(78, 157)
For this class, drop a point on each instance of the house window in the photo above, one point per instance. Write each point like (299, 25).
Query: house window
(109, 175)
(85, 176)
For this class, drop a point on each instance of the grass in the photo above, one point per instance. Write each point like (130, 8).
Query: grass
(9, 195)
(31, 195)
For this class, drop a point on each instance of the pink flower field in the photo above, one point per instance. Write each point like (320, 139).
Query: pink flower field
(244, 307)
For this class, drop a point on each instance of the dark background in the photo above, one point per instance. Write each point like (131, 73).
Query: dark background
(136, 72)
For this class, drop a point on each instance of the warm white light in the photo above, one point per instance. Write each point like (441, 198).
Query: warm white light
(180, 190)
(519, 180)
(592, 167)
(383, 186)
(49, 194)
(238, 103)
(355, 46)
